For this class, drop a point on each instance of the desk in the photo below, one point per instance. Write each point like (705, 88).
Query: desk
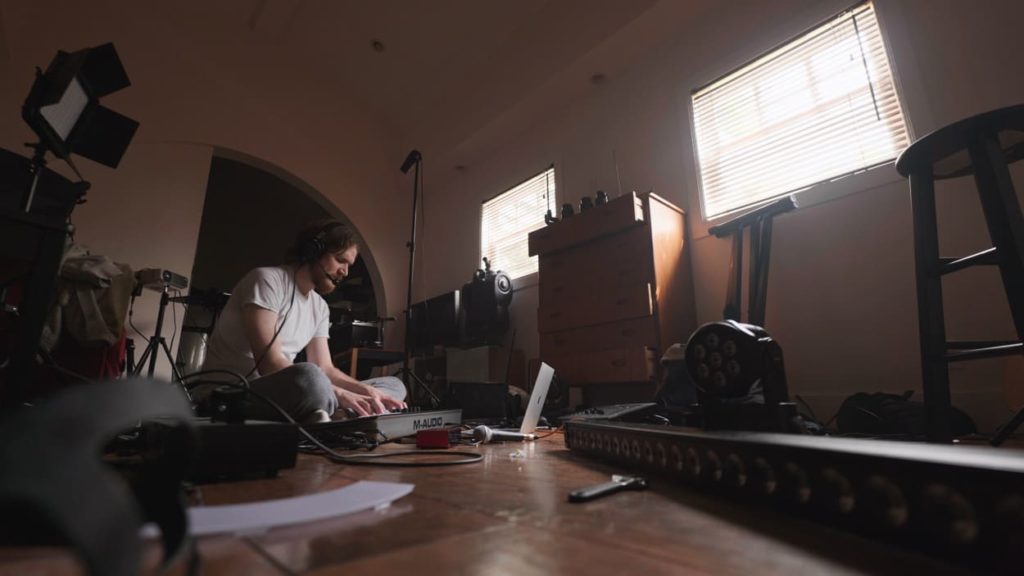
(359, 362)
(509, 515)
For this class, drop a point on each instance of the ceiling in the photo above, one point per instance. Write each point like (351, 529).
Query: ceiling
(447, 59)
(447, 69)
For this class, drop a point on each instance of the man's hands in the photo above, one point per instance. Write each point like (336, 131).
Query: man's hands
(358, 404)
(384, 400)
(371, 401)
(360, 398)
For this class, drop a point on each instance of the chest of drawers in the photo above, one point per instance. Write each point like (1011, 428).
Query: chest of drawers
(614, 290)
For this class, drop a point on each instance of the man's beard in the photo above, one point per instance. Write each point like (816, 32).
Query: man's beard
(324, 284)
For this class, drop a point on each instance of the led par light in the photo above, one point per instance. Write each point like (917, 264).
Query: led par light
(739, 376)
(63, 106)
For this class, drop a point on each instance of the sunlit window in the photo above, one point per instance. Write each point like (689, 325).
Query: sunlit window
(507, 220)
(820, 107)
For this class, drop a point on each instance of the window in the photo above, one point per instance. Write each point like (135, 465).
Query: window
(818, 108)
(507, 220)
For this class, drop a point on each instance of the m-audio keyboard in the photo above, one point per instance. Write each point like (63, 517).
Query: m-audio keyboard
(387, 426)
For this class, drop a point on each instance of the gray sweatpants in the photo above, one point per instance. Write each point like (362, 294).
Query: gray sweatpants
(302, 389)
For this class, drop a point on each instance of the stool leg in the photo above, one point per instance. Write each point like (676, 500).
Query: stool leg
(1006, 228)
(931, 322)
(1004, 219)
(1008, 430)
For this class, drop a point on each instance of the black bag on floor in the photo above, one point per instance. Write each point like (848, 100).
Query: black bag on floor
(885, 414)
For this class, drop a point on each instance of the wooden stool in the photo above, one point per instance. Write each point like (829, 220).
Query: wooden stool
(982, 145)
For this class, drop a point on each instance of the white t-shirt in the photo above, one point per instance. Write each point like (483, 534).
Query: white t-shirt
(273, 288)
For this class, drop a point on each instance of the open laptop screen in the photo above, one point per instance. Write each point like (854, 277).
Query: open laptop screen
(537, 398)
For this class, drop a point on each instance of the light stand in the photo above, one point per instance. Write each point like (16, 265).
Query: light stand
(408, 377)
(36, 167)
(63, 108)
(157, 343)
(34, 239)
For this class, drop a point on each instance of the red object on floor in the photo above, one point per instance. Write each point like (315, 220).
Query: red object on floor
(439, 438)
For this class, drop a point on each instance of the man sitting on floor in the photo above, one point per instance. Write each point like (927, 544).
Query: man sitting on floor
(276, 312)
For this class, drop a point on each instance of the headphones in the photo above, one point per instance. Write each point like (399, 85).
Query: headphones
(310, 249)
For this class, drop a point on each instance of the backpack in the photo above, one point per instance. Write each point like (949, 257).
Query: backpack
(890, 414)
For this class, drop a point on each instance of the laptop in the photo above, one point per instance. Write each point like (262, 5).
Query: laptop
(537, 398)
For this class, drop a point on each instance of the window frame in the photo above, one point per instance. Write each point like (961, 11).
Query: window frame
(552, 192)
(826, 190)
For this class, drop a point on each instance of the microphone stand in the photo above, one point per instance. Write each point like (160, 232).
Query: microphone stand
(408, 377)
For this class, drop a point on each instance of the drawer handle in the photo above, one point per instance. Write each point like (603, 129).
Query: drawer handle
(618, 363)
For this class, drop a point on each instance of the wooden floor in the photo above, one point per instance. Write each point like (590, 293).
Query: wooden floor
(509, 515)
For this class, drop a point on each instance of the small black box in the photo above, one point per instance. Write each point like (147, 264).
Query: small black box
(254, 449)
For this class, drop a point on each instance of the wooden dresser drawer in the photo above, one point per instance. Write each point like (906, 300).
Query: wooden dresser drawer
(617, 214)
(595, 305)
(577, 290)
(630, 333)
(627, 253)
(621, 365)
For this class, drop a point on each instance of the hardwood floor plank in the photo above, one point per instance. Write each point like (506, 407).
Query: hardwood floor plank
(509, 514)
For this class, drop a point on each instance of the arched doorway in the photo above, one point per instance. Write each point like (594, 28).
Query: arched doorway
(251, 214)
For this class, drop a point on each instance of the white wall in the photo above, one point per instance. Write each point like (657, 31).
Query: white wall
(841, 294)
(222, 88)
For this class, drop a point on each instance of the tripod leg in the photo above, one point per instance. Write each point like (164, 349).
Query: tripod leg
(1008, 430)
(734, 290)
(150, 349)
(129, 357)
(174, 367)
(176, 374)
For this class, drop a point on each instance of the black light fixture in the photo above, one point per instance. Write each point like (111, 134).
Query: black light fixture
(63, 107)
(740, 378)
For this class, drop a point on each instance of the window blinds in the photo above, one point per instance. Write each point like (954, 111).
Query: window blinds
(507, 220)
(820, 107)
